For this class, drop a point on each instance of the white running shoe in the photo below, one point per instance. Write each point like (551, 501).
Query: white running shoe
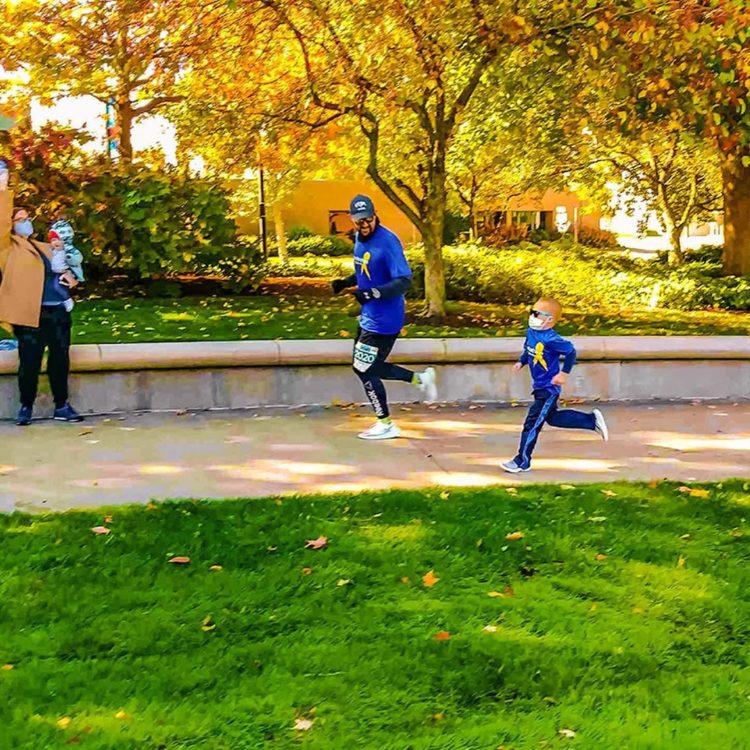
(381, 431)
(513, 468)
(600, 425)
(428, 385)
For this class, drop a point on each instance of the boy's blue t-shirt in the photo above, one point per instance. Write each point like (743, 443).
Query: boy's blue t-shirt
(378, 260)
(542, 352)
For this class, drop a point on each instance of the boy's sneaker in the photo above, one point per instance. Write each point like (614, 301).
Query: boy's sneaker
(428, 385)
(381, 431)
(600, 426)
(24, 416)
(67, 414)
(513, 468)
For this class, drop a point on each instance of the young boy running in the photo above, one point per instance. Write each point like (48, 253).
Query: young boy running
(381, 277)
(542, 351)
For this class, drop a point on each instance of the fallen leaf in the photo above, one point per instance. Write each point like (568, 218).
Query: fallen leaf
(600, 556)
(85, 432)
(101, 530)
(445, 495)
(680, 562)
(569, 734)
(107, 519)
(637, 610)
(514, 536)
(567, 487)
(307, 571)
(511, 490)
(318, 543)
(685, 537)
(490, 629)
(696, 492)
(343, 581)
(597, 519)
(430, 579)
(179, 560)
(7, 667)
(64, 723)
(207, 625)
(406, 579)
(216, 567)
(438, 717)
(151, 506)
(609, 493)
(653, 484)
(302, 725)
(121, 715)
(504, 594)
(443, 635)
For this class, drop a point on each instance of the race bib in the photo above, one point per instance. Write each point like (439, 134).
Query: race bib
(364, 356)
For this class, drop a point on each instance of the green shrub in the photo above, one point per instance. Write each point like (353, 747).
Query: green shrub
(311, 266)
(578, 276)
(319, 245)
(296, 232)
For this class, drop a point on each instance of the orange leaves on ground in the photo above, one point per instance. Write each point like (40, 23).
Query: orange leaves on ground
(318, 543)
(430, 579)
(609, 493)
(506, 593)
(121, 715)
(64, 723)
(443, 635)
(179, 560)
(693, 491)
(489, 629)
(216, 567)
(307, 571)
(7, 667)
(514, 536)
(101, 530)
(600, 557)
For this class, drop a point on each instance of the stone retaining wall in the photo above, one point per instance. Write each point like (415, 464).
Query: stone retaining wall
(245, 374)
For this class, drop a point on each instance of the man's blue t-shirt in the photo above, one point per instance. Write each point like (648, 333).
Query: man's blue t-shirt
(378, 260)
(541, 352)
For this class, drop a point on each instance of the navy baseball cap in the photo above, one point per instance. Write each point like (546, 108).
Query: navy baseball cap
(361, 207)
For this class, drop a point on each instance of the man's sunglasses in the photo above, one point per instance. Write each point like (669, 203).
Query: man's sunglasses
(540, 313)
(364, 222)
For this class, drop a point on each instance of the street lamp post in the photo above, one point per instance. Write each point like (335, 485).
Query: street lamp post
(262, 212)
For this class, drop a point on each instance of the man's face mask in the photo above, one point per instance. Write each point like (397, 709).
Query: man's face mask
(23, 228)
(538, 319)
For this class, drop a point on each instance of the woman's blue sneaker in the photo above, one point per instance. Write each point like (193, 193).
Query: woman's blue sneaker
(24, 416)
(67, 414)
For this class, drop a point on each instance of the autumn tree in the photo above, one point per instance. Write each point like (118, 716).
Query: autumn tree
(685, 66)
(408, 73)
(128, 52)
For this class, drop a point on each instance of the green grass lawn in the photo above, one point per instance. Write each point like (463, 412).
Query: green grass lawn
(305, 316)
(622, 621)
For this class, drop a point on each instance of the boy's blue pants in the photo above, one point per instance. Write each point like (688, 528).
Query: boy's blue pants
(544, 410)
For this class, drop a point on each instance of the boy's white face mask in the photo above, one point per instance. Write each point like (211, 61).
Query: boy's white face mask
(538, 319)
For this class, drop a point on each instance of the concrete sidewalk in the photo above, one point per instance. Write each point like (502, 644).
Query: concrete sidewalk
(136, 458)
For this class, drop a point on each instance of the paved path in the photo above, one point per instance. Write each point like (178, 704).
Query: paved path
(134, 459)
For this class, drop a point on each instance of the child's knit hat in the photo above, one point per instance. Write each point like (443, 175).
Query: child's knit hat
(53, 235)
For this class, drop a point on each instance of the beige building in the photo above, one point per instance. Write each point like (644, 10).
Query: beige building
(322, 206)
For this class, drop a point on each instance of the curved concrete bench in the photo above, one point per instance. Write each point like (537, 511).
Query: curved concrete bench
(220, 354)
(246, 374)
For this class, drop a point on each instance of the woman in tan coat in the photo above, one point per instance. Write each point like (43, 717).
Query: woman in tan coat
(32, 306)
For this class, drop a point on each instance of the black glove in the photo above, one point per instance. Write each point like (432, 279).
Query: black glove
(365, 295)
(338, 285)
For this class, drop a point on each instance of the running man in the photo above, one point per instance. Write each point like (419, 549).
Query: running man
(381, 277)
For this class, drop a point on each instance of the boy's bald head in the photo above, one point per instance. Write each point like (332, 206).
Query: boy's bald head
(549, 305)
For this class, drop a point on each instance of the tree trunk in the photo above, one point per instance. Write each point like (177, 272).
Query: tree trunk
(125, 114)
(434, 272)
(676, 256)
(736, 179)
(278, 223)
